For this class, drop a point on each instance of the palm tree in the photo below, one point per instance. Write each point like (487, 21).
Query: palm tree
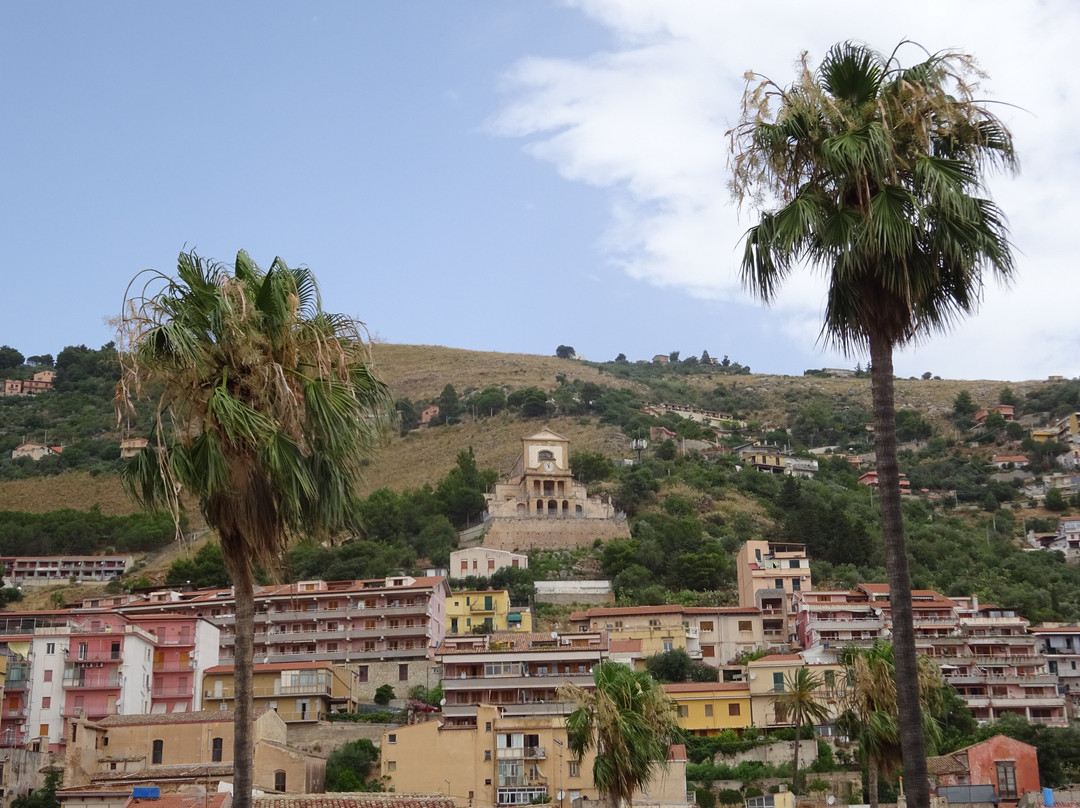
(628, 720)
(870, 708)
(798, 703)
(266, 408)
(873, 173)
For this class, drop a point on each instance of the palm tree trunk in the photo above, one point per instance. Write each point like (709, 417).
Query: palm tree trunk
(795, 761)
(896, 562)
(243, 729)
(872, 782)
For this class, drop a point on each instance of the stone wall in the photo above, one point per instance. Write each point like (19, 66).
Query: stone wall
(420, 672)
(326, 736)
(519, 535)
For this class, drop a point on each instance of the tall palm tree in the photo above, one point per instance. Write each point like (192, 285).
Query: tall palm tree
(870, 708)
(798, 703)
(629, 720)
(266, 409)
(874, 173)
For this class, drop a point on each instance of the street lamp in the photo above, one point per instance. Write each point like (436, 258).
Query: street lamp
(639, 445)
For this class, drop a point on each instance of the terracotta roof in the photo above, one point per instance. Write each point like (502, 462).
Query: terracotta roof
(628, 611)
(677, 751)
(186, 801)
(711, 687)
(946, 764)
(152, 773)
(150, 719)
(778, 658)
(1052, 630)
(361, 800)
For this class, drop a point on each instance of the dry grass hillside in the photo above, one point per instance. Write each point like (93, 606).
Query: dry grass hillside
(420, 372)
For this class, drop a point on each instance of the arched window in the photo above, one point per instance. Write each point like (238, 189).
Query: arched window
(215, 750)
(279, 780)
(159, 748)
(545, 455)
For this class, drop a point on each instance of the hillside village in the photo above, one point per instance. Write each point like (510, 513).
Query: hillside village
(123, 678)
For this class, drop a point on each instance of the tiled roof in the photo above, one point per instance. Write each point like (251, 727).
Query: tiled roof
(186, 801)
(702, 687)
(945, 764)
(771, 658)
(518, 641)
(150, 719)
(361, 800)
(627, 611)
(677, 751)
(167, 773)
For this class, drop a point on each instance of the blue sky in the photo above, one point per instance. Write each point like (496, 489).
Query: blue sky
(505, 176)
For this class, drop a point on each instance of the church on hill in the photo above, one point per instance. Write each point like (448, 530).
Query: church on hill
(541, 505)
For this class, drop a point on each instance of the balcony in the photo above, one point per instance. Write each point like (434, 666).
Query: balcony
(535, 753)
(497, 683)
(94, 656)
(845, 624)
(174, 666)
(18, 712)
(175, 692)
(92, 712)
(92, 682)
(273, 692)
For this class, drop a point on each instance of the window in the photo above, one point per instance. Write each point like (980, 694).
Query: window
(361, 673)
(793, 564)
(487, 726)
(403, 672)
(654, 623)
(279, 780)
(684, 711)
(734, 709)
(43, 730)
(778, 583)
(487, 754)
(50, 648)
(830, 679)
(708, 711)
(48, 676)
(668, 646)
(746, 625)
(391, 765)
(778, 682)
(159, 748)
(708, 651)
(391, 738)
(215, 750)
(114, 652)
(82, 650)
(1006, 779)
(796, 584)
(46, 701)
(573, 769)
(706, 625)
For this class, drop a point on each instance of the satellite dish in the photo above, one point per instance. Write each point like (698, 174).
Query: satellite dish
(554, 635)
(753, 676)
(442, 702)
(830, 799)
(561, 795)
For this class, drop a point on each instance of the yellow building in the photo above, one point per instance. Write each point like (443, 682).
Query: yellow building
(298, 692)
(768, 676)
(659, 628)
(769, 572)
(1043, 435)
(182, 751)
(484, 610)
(506, 760)
(708, 708)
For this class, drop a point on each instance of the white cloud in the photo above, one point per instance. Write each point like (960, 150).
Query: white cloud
(647, 118)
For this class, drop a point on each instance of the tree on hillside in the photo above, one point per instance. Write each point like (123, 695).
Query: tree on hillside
(565, 352)
(629, 721)
(875, 172)
(350, 765)
(798, 703)
(9, 357)
(267, 408)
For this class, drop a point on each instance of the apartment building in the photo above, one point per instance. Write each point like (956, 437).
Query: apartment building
(389, 627)
(299, 692)
(660, 628)
(767, 677)
(519, 673)
(484, 561)
(484, 610)
(506, 759)
(709, 708)
(50, 570)
(1060, 643)
(770, 573)
(835, 619)
(92, 664)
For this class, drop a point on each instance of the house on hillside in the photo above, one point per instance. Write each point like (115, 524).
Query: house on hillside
(428, 414)
(35, 451)
(1010, 461)
(1004, 410)
(129, 447)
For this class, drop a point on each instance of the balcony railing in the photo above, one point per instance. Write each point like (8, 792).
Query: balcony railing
(271, 692)
(92, 712)
(173, 692)
(94, 656)
(167, 666)
(535, 753)
(92, 682)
